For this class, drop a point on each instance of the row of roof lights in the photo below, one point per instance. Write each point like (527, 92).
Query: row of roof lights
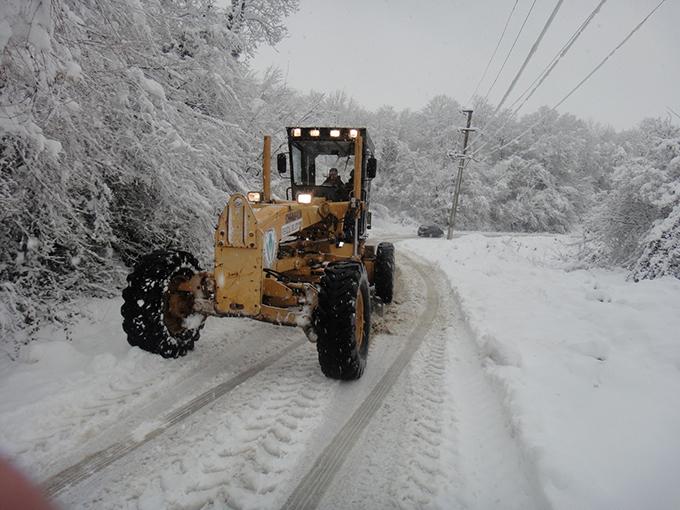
(335, 133)
(256, 196)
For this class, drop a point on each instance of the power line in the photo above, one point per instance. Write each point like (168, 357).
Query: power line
(546, 71)
(510, 52)
(673, 111)
(531, 53)
(597, 67)
(498, 74)
(507, 22)
(579, 84)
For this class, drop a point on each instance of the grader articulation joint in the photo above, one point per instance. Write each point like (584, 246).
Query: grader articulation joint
(302, 261)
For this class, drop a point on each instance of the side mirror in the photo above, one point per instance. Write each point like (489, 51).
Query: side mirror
(281, 163)
(371, 167)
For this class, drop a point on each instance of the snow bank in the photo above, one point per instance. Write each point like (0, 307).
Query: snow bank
(588, 365)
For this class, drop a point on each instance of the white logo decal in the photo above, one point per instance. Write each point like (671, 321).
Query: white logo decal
(269, 248)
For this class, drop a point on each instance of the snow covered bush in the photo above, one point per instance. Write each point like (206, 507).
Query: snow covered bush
(625, 213)
(635, 224)
(661, 252)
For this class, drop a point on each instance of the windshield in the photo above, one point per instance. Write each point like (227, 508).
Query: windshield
(322, 163)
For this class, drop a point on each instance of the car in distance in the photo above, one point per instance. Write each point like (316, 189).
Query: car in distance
(430, 231)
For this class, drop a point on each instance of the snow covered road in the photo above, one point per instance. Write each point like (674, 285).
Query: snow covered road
(280, 434)
(506, 392)
(248, 421)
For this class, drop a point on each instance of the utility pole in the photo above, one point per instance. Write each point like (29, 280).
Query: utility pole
(461, 164)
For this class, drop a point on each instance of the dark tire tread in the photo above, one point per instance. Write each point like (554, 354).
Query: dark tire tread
(384, 272)
(144, 302)
(334, 321)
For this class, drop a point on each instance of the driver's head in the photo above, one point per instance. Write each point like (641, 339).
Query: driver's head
(333, 173)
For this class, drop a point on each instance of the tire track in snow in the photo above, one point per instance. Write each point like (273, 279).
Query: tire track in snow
(234, 454)
(266, 434)
(418, 483)
(311, 488)
(94, 463)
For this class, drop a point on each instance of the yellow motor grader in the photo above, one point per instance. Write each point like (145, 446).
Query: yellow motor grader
(300, 262)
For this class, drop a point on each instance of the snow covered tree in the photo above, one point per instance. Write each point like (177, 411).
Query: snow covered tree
(526, 197)
(661, 253)
(635, 223)
(124, 126)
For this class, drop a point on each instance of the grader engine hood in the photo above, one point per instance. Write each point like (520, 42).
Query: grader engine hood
(246, 242)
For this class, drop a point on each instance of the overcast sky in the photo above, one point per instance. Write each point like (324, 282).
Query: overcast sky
(404, 52)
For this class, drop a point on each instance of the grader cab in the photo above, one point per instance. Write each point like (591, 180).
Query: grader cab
(302, 261)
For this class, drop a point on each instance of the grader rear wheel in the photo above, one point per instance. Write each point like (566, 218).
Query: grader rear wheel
(157, 317)
(343, 321)
(384, 272)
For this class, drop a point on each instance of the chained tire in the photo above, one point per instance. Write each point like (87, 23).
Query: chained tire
(157, 317)
(342, 321)
(384, 272)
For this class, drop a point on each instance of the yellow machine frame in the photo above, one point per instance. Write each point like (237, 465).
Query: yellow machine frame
(264, 269)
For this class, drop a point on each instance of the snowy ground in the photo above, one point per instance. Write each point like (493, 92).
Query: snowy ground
(587, 363)
(526, 386)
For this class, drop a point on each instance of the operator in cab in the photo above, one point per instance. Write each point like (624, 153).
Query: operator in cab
(333, 179)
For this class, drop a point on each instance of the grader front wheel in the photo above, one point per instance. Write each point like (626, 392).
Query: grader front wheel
(343, 321)
(157, 316)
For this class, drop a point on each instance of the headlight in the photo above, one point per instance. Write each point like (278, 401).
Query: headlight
(304, 198)
(314, 132)
(297, 132)
(353, 133)
(254, 196)
(335, 132)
